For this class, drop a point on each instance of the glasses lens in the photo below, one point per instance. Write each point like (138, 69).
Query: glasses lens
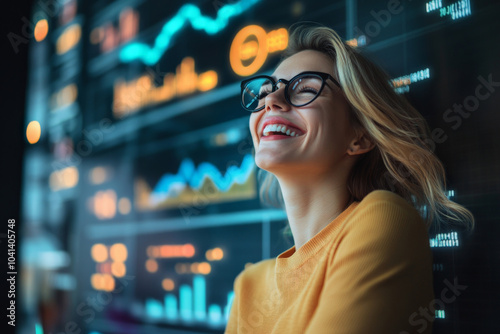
(304, 89)
(254, 92)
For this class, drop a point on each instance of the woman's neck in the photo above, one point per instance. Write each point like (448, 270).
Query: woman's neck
(312, 203)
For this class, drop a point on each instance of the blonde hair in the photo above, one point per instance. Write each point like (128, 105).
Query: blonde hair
(402, 160)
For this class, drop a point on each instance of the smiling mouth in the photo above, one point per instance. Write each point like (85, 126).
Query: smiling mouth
(280, 130)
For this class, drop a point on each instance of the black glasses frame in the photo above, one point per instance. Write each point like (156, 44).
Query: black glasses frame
(324, 77)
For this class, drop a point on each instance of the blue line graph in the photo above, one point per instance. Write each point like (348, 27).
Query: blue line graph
(170, 185)
(187, 13)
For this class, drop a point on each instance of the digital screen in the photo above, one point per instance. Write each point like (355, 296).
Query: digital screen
(144, 177)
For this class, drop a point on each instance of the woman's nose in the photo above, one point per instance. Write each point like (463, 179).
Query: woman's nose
(276, 100)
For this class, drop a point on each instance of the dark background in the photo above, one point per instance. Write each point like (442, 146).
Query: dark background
(14, 77)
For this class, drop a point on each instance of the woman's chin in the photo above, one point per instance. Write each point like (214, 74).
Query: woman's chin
(264, 166)
(270, 162)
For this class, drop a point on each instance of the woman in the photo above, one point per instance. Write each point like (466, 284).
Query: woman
(350, 163)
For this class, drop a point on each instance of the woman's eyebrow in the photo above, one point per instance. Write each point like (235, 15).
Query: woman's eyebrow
(275, 78)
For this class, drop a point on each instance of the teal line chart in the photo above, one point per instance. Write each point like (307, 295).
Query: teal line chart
(191, 179)
(150, 55)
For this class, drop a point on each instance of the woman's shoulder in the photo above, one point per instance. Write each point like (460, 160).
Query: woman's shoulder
(384, 225)
(385, 201)
(385, 210)
(381, 195)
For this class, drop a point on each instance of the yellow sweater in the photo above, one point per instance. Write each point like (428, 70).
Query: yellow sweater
(367, 272)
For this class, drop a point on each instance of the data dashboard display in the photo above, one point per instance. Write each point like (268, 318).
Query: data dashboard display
(150, 146)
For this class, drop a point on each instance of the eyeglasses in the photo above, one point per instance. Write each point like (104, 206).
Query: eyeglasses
(300, 90)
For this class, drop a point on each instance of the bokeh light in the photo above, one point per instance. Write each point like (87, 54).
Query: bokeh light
(99, 252)
(41, 30)
(118, 252)
(33, 132)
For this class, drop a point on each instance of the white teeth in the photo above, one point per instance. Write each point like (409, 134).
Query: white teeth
(279, 128)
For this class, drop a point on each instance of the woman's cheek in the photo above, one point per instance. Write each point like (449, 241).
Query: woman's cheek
(253, 129)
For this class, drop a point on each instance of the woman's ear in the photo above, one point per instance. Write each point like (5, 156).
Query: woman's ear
(360, 145)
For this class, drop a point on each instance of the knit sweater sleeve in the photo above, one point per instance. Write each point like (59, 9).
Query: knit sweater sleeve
(379, 274)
